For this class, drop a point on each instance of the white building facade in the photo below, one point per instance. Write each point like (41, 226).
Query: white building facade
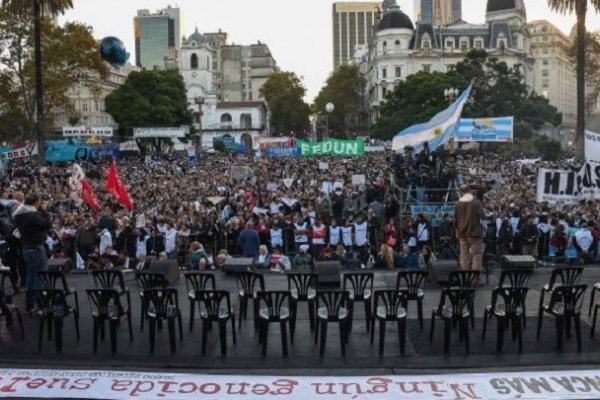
(400, 48)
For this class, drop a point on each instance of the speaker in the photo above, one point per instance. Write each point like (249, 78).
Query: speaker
(508, 261)
(169, 268)
(239, 264)
(329, 272)
(440, 269)
(63, 265)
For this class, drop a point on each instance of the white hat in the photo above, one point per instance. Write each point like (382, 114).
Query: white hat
(304, 247)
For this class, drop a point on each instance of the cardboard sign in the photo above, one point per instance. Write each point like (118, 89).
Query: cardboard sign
(323, 166)
(358, 179)
(21, 152)
(288, 182)
(271, 186)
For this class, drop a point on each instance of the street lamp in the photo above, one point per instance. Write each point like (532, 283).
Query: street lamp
(451, 94)
(199, 102)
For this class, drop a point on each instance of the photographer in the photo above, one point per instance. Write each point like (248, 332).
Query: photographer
(34, 223)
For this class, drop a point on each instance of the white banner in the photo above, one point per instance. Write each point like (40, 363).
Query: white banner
(84, 131)
(130, 145)
(159, 132)
(27, 151)
(592, 147)
(60, 384)
(568, 187)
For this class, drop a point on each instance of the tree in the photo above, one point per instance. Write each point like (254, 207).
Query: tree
(150, 98)
(35, 8)
(592, 67)
(71, 54)
(283, 91)
(344, 89)
(414, 100)
(579, 7)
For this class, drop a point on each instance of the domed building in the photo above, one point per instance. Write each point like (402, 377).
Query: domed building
(400, 48)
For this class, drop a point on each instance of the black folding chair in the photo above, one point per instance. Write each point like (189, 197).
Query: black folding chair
(249, 283)
(454, 307)
(516, 278)
(302, 287)
(332, 306)
(465, 279)
(57, 280)
(7, 307)
(163, 304)
(113, 279)
(509, 310)
(565, 305)
(410, 283)
(105, 305)
(148, 281)
(52, 307)
(561, 276)
(195, 281)
(215, 306)
(389, 306)
(277, 305)
(360, 288)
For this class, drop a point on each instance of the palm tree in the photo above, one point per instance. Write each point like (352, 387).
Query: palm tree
(579, 7)
(38, 7)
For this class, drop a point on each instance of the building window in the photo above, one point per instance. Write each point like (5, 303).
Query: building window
(545, 93)
(545, 50)
(397, 46)
(478, 44)
(384, 73)
(545, 83)
(383, 93)
(426, 45)
(398, 72)
(194, 61)
(449, 68)
(545, 72)
(545, 38)
(384, 47)
(427, 67)
(226, 118)
(545, 62)
(449, 44)
(464, 46)
(501, 45)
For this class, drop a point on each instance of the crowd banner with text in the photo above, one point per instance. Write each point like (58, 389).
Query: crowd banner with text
(87, 131)
(434, 212)
(171, 133)
(437, 131)
(592, 147)
(568, 187)
(485, 130)
(121, 385)
(331, 147)
(28, 150)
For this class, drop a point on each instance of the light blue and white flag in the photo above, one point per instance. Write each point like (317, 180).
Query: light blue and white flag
(437, 131)
(485, 130)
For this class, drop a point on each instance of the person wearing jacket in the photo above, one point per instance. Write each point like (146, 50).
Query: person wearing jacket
(468, 214)
(34, 223)
(249, 241)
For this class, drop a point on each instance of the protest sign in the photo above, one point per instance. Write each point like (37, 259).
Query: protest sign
(323, 166)
(288, 201)
(568, 187)
(122, 385)
(240, 172)
(288, 182)
(331, 146)
(21, 152)
(435, 212)
(592, 147)
(485, 130)
(271, 186)
(358, 179)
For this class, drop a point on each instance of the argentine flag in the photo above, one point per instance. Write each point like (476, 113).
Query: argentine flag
(437, 131)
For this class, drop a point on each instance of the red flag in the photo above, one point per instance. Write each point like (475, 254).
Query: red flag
(88, 196)
(115, 186)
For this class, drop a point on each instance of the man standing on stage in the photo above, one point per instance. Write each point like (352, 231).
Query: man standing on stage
(468, 214)
(33, 222)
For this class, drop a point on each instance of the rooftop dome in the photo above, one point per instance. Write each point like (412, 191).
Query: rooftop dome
(394, 18)
(195, 37)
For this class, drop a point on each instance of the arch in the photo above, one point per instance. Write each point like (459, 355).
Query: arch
(384, 47)
(397, 46)
(194, 61)
(226, 118)
(246, 121)
(246, 140)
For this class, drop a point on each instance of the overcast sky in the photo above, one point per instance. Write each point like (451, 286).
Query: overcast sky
(298, 32)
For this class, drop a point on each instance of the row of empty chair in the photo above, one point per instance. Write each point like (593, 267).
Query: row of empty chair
(110, 301)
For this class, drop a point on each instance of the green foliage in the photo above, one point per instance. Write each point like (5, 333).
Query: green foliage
(71, 57)
(219, 146)
(414, 100)
(498, 91)
(343, 88)
(283, 91)
(592, 67)
(548, 149)
(150, 98)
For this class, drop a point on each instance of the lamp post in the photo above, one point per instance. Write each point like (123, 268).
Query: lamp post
(199, 101)
(451, 94)
(329, 107)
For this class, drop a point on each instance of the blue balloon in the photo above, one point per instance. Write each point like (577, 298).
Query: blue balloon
(113, 51)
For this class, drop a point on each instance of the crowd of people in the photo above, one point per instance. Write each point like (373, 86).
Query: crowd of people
(285, 212)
